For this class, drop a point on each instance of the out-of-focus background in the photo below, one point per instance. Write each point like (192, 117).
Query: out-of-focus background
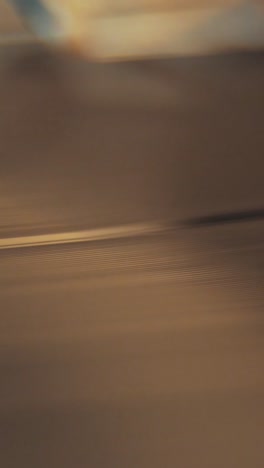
(122, 30)
(132, 239)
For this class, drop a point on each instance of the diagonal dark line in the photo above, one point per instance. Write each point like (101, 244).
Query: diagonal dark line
(226, 217)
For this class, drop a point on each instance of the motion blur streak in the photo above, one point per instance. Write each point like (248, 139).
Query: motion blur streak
(126, 341)
(94, 235)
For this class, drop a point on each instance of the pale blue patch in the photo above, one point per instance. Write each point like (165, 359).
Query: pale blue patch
(41, 20)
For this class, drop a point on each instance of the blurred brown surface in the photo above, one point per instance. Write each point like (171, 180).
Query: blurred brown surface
(137, 353)
(98, 145)
(141, 352)
(9, 21)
